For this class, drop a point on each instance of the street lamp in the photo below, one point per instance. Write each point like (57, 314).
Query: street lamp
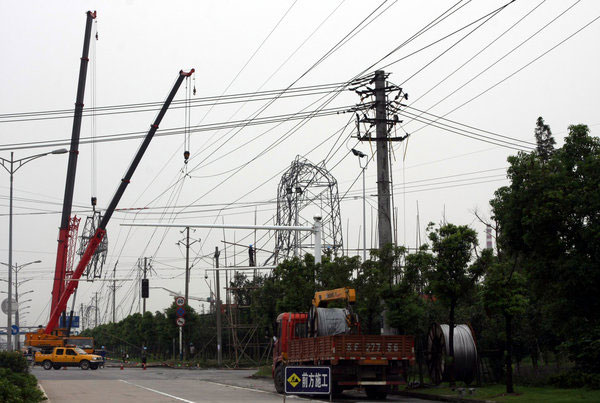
(17, 269)
(360, 156)
(11, 166)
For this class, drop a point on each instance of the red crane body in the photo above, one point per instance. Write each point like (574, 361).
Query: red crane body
(63, 234)
(71, 285)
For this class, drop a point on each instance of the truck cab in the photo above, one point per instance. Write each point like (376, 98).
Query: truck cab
(289, 326)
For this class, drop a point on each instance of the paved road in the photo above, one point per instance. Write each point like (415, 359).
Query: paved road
(166, 385)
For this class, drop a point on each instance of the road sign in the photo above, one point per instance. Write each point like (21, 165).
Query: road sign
(74, 322)
(5, 305)
(308, 380)
(14, 329)
(180, 312)
(179, 301)
(180, 322)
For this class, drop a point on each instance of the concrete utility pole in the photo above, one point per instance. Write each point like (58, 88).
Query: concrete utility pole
(383, 170)
(145, 272)
(218, 307)
(81, 317)
(187, 263)
(96, 310)
(114, 318)
(186, 242)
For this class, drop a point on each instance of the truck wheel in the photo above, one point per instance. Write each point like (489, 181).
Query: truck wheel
(84, 364)
(278, 379)
(56, 366)
(93, 366)
(377, 392)
(47, 364)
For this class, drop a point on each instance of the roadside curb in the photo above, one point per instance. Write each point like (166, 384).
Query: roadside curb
(44, 392)
(439, 398)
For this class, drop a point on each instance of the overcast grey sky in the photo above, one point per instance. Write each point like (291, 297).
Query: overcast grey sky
(143, 44)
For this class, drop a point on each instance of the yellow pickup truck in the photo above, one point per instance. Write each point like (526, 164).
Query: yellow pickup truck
(69, 356)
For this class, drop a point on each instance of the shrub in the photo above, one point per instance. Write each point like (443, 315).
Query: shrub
(13, 361)
(16, 384)
(576, 379)
(18, 387)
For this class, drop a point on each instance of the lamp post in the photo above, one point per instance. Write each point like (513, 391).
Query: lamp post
(17, 269)
(360, 156)
(11, 166)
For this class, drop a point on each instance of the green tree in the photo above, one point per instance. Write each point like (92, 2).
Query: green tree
(451, 278)
(548, 215)
(545, 140)
(505, 292)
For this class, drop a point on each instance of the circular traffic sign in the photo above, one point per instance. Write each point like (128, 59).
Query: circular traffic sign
(13, 306)
(14, 329)
(180, 322)
(179, 301)
(180, 312)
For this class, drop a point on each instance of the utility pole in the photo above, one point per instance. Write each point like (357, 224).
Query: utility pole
(382, 125)
(186, 242)
(145, 273)
(114, 318)
(17, 346)
(81, 317)
(96, 310)
(187, 263)
(383, 170)
(218, 306)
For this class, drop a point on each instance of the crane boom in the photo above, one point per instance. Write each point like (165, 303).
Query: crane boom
(324, 297)
(101, 230)
(63, 234)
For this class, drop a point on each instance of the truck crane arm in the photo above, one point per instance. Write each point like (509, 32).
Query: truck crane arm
(63, 235)
(322, 298)
(101, 230)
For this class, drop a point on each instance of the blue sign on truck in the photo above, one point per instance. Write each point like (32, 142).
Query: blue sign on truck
(308, 380)
(74, 322)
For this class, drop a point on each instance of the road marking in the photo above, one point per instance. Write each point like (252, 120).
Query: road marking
(241, 387)
(256, 390)
(253, 390)
(158, 391)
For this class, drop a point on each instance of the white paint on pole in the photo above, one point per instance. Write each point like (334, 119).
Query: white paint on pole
(317, 230)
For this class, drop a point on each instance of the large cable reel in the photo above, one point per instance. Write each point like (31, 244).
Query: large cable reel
(465, 353)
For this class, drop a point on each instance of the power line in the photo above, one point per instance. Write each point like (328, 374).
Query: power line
(516, 71)
(502, 57)
(180, 130)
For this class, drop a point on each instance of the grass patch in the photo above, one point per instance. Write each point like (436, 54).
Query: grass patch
(497, 393)
(263, 372)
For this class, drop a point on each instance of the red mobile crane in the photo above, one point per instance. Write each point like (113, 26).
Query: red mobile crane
(101, 230)
(62, 290)
(63, 234)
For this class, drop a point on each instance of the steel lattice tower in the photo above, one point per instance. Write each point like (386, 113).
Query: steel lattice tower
(307, 190)
(94, 268)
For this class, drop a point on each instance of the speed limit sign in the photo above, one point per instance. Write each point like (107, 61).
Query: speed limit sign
(180, 322)
(179, 301)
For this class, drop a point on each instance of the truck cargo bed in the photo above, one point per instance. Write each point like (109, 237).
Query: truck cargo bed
(351, 347)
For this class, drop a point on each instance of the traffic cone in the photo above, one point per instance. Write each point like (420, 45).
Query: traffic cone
(121, 366)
